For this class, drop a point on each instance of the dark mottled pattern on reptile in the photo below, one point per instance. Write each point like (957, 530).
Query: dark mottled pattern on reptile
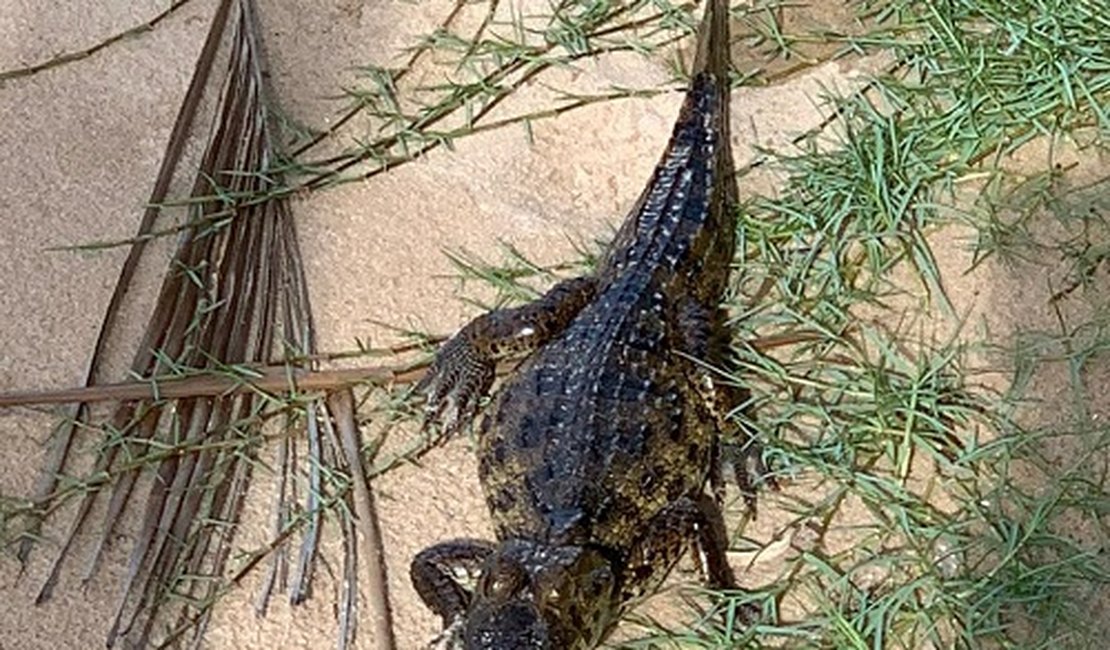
(595, 454)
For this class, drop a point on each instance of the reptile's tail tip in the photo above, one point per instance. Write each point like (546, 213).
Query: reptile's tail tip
(713, 40)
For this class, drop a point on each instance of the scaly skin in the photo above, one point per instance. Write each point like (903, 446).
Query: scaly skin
(595, 455)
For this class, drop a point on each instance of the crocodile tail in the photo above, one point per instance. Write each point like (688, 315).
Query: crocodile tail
(712, 60)
(713, 46)
(699, 158)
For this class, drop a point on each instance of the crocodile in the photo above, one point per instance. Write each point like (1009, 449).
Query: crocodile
(596, 454)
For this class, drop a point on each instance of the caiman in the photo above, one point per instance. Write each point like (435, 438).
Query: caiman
(595, 455)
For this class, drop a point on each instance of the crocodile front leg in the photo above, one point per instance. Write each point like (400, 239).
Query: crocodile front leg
(669, 534)
(444, 576)
(464, 367)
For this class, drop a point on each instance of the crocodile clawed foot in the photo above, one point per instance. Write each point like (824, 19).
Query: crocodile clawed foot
(743, 463)
(459, 378)
(732, 613)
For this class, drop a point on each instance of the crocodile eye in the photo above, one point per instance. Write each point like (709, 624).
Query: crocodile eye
(503, 579)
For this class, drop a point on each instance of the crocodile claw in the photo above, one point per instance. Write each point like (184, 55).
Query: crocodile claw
(743, 463)
(459, 378)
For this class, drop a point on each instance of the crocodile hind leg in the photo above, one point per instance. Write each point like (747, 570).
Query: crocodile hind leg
(444, 577)
(463, 370)
(736, 452)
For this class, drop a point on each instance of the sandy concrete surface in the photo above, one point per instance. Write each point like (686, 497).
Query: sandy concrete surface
(82, 143)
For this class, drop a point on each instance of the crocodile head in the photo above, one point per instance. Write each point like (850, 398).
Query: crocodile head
(532, 596)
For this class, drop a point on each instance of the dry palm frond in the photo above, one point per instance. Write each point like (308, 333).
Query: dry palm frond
(234, 296)
(283, 378)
